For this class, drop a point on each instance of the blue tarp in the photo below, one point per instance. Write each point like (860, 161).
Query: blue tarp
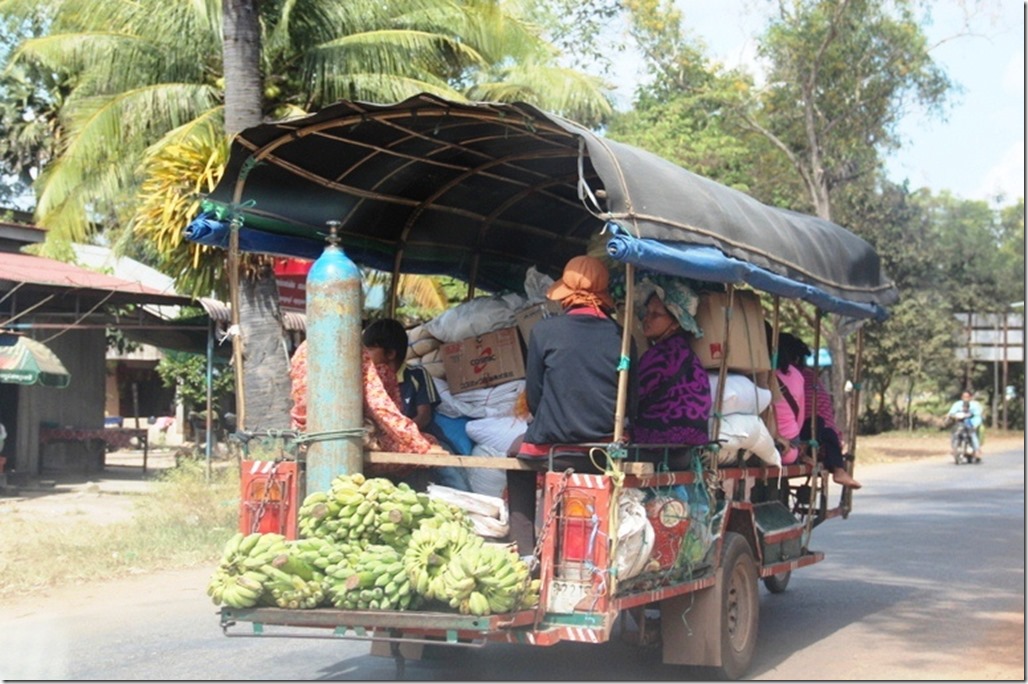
(710, 265)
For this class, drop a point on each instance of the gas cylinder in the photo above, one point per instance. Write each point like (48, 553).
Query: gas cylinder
(335, 397)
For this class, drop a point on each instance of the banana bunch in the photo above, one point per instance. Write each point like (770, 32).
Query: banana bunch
(377, 581)
(486, 578)
(238, 581)
(361, 511)
(429, 552)
(291, 583)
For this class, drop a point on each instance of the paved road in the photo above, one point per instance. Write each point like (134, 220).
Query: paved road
(925, 580)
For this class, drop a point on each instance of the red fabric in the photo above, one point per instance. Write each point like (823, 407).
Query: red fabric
(388, 429)
(825, 411)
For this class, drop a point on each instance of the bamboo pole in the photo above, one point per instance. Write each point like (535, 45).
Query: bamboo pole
(626, 353)
(851, 466)
(815, 481)
(722, 369)
(237, 338)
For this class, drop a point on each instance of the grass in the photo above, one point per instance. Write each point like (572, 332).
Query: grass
(184, 522)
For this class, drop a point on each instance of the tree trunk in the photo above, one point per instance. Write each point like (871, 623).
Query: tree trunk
(241, 53)
(263, 397)
(837, 348)
(265, 354)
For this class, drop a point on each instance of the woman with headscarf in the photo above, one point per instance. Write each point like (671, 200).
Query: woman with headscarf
(571, 379)
(674, 389)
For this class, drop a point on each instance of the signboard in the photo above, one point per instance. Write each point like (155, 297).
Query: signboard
(992, 337)
(291, 277)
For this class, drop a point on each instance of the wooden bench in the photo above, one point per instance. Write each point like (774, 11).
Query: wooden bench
(494, 462)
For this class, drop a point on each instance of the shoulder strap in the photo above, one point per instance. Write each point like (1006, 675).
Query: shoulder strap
(789, 398)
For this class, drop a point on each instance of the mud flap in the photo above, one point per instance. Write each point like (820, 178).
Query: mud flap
(690, 627)
(409, 651)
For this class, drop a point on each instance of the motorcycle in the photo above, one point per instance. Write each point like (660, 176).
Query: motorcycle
(961, 444)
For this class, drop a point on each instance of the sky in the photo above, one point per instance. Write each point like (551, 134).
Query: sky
(977, 152)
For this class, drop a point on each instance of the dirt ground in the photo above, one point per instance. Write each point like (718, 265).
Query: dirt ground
(106, 498)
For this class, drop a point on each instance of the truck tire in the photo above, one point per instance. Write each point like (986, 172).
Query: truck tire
(740, 607)
(777, 583)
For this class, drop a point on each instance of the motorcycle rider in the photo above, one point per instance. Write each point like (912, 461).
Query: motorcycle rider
(970, 412)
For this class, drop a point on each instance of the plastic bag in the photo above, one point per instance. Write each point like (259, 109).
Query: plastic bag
(536, 284)
(635, 534)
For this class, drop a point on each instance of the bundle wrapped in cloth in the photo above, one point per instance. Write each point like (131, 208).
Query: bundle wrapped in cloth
(741, 429)
(488, 514)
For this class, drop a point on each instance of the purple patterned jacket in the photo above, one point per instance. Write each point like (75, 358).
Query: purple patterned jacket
(674, 395)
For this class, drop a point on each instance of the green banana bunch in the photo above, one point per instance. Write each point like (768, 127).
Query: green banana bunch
(238, 580)
(236, 591)
(428, 557)
(377, 581)
(362, 511)
(292, 591)
(486, 578)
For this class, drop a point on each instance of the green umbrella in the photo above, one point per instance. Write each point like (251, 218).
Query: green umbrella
(25, 361)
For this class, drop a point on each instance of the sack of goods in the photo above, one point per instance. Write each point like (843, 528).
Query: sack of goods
(488, 514)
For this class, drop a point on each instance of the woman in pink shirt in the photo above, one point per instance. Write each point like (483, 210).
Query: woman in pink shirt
(801, 395)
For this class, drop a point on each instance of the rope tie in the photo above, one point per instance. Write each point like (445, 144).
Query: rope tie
(328, 435)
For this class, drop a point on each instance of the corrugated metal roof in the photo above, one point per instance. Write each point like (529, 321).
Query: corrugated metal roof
(222, 313)
(17, 269)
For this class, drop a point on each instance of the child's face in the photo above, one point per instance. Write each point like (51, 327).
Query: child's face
(378, 355)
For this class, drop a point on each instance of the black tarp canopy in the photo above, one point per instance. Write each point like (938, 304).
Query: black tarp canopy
(482, 191)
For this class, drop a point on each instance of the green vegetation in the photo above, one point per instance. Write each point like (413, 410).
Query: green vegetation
(184, 522)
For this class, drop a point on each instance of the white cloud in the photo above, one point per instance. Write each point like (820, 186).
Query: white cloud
(1006, 176)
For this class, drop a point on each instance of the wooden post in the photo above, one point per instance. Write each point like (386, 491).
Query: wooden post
(1006, 368)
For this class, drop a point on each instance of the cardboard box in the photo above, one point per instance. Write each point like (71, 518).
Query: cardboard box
(528, 316)
(483, 361)
(747, 339)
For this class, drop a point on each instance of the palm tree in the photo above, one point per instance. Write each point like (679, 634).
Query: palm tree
(153, 95)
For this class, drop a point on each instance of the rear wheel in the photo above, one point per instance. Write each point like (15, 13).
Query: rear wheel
(740, 607)
(777, 583)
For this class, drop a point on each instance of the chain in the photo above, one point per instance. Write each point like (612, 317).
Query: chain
(266, 498)
(552, 515)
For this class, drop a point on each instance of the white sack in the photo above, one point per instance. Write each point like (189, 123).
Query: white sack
(486, 480)
(488, 514)
(421, 342)
(741, 394)
(478, 316)
(746, 432)
(497, 433)
(488, 506)
(484, 402)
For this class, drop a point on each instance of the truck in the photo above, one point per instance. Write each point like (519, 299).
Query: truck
(482, 192)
